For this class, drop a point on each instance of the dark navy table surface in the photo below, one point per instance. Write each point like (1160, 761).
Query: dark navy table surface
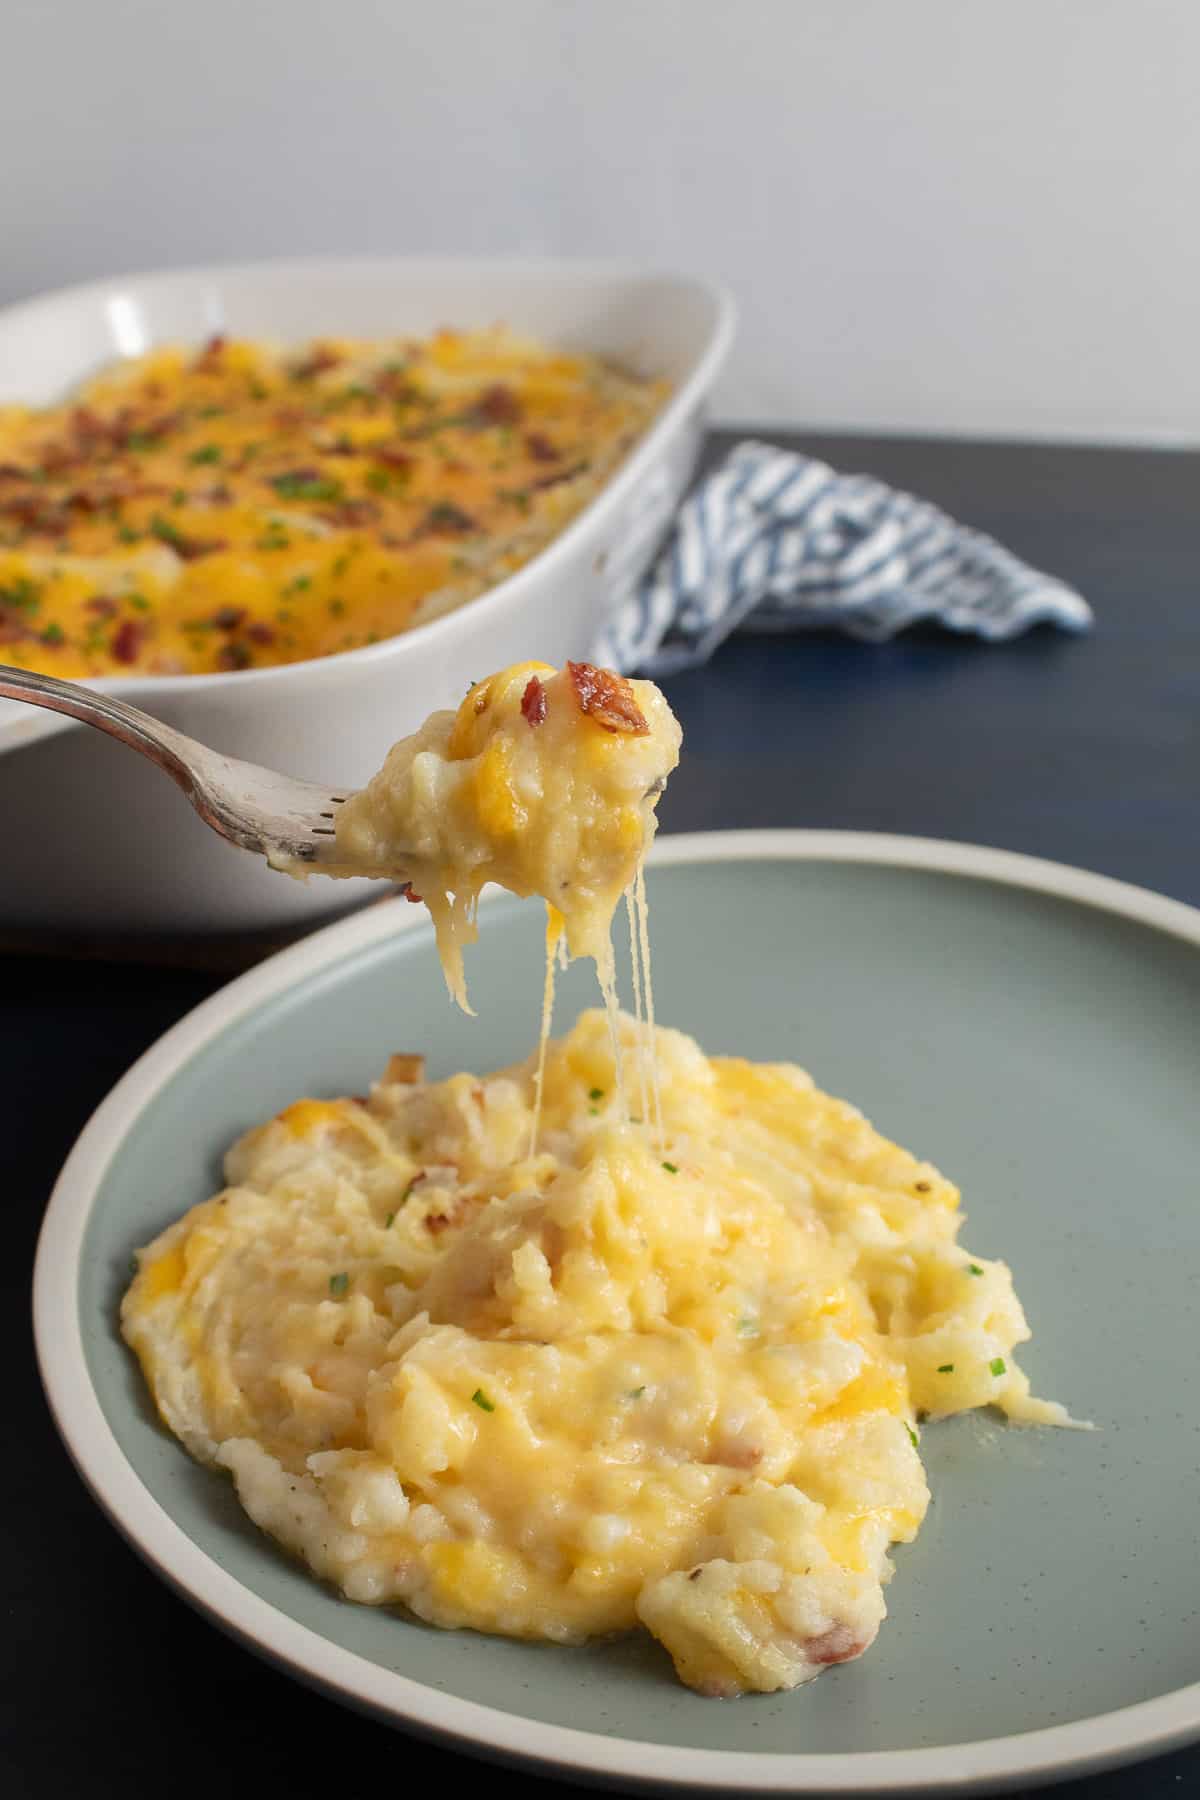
(1080, 749)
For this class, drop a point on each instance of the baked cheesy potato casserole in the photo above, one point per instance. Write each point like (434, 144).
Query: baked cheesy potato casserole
(622, 1334)
(221, 509)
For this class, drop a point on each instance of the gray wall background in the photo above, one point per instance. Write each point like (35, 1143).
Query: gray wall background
(937, 214)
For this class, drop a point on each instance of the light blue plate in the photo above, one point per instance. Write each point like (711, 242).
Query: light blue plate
(1031, 1030)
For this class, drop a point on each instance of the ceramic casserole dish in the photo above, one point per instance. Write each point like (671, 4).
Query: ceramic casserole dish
(108, 846)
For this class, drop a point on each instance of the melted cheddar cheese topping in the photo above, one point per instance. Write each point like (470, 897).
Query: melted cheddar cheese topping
(189, 512)
(620, 1380)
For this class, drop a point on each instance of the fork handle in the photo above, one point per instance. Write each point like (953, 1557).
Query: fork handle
(129, 724)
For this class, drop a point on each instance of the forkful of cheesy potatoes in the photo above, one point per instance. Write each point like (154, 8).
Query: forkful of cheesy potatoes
(543, 781)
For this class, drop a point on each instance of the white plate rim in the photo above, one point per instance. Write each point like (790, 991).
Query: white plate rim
(988, 1765)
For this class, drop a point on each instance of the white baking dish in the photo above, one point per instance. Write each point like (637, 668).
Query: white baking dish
(97, 840)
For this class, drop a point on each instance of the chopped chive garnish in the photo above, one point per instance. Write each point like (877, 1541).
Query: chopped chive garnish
(974, 1269)
(945, 1368)
(595, 1093)
(747, 1327)
(339, 1283)
(164, 531)
(54, 634)
(387, 1222)
(912, 1436)
(997, 1365)
(408, 1190)
(671, 1168)
(595, 1111)
(128, 535)
(207, 453)
(138, 602)
(179, 497)
(21, 593)
(306, 487)
(635, 1393)
(481, 1401)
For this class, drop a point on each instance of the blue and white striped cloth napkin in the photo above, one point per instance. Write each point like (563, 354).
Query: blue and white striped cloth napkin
(773, 541)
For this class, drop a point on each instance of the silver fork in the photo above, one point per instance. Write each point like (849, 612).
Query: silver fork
(282, 819)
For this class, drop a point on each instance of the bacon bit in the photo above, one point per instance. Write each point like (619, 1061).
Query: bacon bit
(127, 641)
(410, 894)
(436, 1223)
(405, 1069)
(102, 605)
(259, 633)
(13, 628)
(34, 513)
(497, 405)
(540, 447)
(395, 386)
(837, 1645)
(322, 358)
(608, 698)
(234, 656)
(228, 618)
(291, 418)
(190, 549)
(14, 472)
(55, 458)
(209, 358)
(87, 427)
(392, 457)
(533, 702)
(350, 513)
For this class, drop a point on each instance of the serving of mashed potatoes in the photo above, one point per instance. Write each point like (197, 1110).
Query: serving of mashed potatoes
(619, 1380)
